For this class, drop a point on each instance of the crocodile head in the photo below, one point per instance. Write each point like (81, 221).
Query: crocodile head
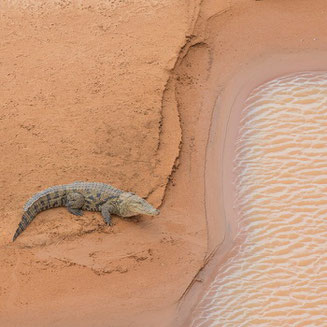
(132, 205)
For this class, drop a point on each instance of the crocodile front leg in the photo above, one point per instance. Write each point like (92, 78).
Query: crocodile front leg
(106, 209)
(75, 202)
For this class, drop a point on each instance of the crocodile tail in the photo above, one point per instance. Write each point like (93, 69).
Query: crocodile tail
(49, 198)
(26, 219)
(28, 215)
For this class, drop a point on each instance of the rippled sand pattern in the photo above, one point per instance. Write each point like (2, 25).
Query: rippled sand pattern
(277, 275)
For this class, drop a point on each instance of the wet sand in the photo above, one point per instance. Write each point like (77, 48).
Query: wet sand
(275, 270)
(251, 66)
(170, 70)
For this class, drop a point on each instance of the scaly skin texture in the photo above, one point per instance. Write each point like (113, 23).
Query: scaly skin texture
(89, 196)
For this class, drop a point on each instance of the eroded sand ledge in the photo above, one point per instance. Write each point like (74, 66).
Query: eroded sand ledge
(154, 75)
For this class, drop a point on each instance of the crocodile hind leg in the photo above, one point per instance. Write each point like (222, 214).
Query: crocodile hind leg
(75, 202)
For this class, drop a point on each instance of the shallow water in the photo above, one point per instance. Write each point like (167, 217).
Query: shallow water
(277, 274)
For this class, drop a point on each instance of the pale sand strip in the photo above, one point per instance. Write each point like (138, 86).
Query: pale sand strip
(221, 153)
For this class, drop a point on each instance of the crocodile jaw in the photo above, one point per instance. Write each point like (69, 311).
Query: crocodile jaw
(149, 210)
(133, 205)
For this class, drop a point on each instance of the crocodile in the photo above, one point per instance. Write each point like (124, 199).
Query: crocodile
(90, 196)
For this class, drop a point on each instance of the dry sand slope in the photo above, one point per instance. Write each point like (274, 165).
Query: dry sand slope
(85, 95)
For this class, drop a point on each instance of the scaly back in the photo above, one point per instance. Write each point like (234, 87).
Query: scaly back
(76, 186)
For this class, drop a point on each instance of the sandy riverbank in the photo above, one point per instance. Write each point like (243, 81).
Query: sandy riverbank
(107, 93)
(274, 271)
(236, 70)
(86, 95)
